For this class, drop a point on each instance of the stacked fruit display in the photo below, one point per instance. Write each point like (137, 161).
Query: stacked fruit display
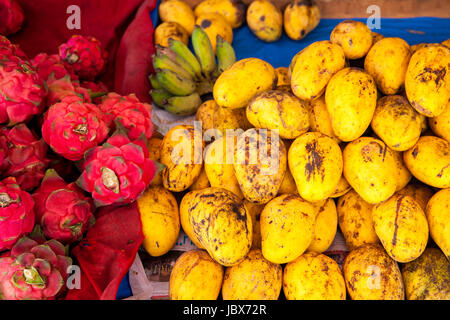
(94, 139)
(348, 137)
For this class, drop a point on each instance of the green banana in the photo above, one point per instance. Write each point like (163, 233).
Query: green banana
(183, 106)
(174, 83)
(162, 61)
(154, 82)
(185, 58)
(160, 96)
(204, 51)
(225, 54)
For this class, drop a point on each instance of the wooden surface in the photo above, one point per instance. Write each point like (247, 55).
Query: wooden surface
(388, 8)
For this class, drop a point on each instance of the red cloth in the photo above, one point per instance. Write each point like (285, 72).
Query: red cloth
(125, 30)
(107, 252)
(123, 27)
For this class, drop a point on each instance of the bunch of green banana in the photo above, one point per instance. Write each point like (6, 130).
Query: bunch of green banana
(182, 77)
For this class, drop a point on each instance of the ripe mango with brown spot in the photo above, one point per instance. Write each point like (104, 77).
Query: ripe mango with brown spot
(440, 125)
(355, 220)
(187, 278)
(170, 30)
(419, 192)
(354, 37)
(221, 223)
(177, 11)
(232, 10)
(313, 276)
(253, 76)
(351, 99)
(313, 67)
(278, 110)
(265, 20)
(254, 278)
(182, 157)
(402, 227)
(370, 274)
(438, 215)
(429, 161)
(387, 62)
(213, 117)
(427, 277)
(259, 164)
(300, 18)
(325, 227)
(186, 203)
(315, 161)
(370, 168)
(160, 218)
(214, 25)
(397, 123)
(427, 81)
(219, 157)
(287, 228)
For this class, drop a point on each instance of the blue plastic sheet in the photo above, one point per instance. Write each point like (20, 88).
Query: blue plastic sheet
(281, 52)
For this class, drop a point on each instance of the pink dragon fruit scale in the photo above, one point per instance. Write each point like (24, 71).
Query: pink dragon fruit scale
(7, 49)
(16, 213)
(51, 66)
(71, 127)
(97, 90)
(22, 90)
(11, 17)
(132, 114)
(25, 156)
(119, 171)
(83, 55)
(58, 89)
(62, 209)
(34, 269)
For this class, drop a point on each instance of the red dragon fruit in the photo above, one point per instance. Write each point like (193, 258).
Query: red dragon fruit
(25, 156)
(16, 213)
(58, 89)
(83, 55)
(11, 17)
(34, 269)
(22, 90)
(71, 127)
(132, 114)
(51, 65)
(118, 171)
(62, 209)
